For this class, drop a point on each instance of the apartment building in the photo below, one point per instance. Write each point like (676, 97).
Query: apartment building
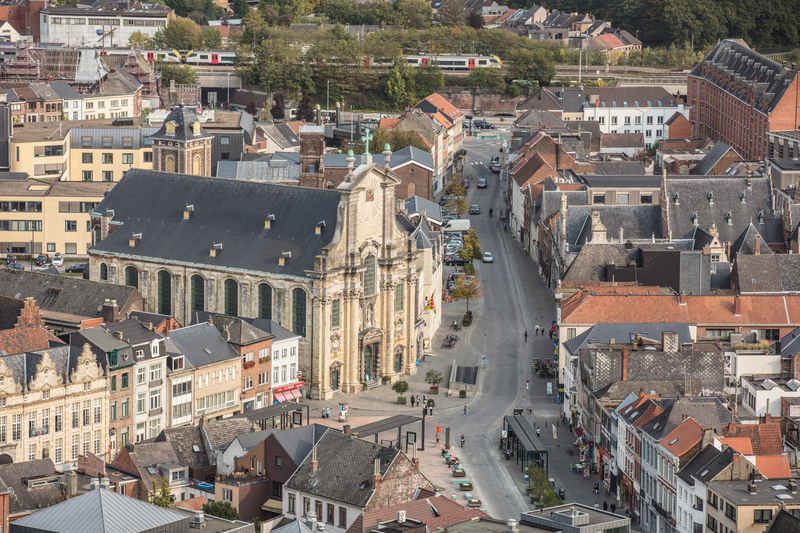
(748, 506)
(739, 96)
(46, 215)
(52, 401)
(209, 376)
(446, 116)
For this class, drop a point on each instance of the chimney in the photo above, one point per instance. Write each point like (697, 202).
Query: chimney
(624, 364)
(736, 456)
(757, 250)
(94, 484)
(751, 488)
(708, 438)
(511, 525)
(118, 334)
(620, 236)
(72, 483)
(110, 311)
(669, 342)
(737, 306)
(682, 298)
(401, 517)
(793, 486)
(376, 474)
(314, 462)
(105, 483)
(148, 325)
(311, 520)
(211, 320)
(226, 332)
(346, 429)
(684, 417)
(415, 458)
(198, 520)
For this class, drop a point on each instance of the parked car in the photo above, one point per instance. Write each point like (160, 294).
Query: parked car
(453, 260)
(39, 268)
(466, 184)
(11, 259)
(482, 183)
(474, 209)
(487, 257)
(15, 266)
(58, 260)
(42, 259)
(75, 269)
(445, 199)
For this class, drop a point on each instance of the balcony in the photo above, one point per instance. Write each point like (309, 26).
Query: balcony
(698, 505)
(660, 510)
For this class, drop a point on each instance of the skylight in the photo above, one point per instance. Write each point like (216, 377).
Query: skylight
(779, 487)
(704, 472)
(195, 448)
(673, 441)
(649, 104)
(659, 103)
(152, 471)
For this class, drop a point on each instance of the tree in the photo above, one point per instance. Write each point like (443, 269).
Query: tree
(160, 495)
(180, 34)
(455, 188)
(452, 13)
(221, 509)
(471, 240)
(182, 74)
(415, 14)
(466, 289)
(139, 40)
(395, 88)
(400, 387)
(304, 110)
(211, 39)
(198, 17)
(475, 20)
(458, 205)
(278, 110)
(434, 378)
(402, 139)
(241, 8)
(251, 107)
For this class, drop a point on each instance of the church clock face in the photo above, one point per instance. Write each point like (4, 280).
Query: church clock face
(370, 206)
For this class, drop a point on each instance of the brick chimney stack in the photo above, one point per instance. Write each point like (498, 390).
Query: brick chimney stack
(737, 306)
(110, 311)
(624, 364)
(314, 463)
(757, 251)
(376, 474)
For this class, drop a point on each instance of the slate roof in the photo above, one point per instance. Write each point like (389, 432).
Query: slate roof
(65, 358)
(145, 455)
(241, 332)
(185, 119)
(708, 411)
(538, 118)
(695, 273)
(229, 212)
(714, 156)
(626, 333)
(182, 439)
(202, 344)
(62, 294)
(154, 318)
(619, 390)
(23, 498)
(264, 324)
(416, 204)
(785, 522)
(102, 511)
(275, 170)
(639, 222)
(345, 469)
(693, 196)
(746, 243)
(622, 97)
(772, 272)
(790, 343)
(134, 332)
(248, 441)
(716, 465)
(543, 99)
(220, 433)
(738, 59)
(698, 463)
(620, 168)
(297, 442)
(26, 339)
(551, 202)
(637, 181)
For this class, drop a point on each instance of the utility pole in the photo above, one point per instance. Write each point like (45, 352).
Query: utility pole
(580, 55)
(328, 97)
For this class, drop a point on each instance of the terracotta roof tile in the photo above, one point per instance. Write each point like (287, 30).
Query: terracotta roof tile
(389, 123)
(774, 466)
(435, 511)
(27, 339)
(740, 444)
(652, 412)
(453, 519)
(193, 504)
(443, 105)
(765, 438)
(681, 439)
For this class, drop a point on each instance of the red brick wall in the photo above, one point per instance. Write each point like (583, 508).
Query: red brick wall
(123, 462)
(255, 370)
(398, 485)
(4, 509)
(723, 164)
(91, 465)
(680, 128)
(421, 177)
(24, 17)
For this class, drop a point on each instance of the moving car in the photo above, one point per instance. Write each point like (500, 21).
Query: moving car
(487, 257)
(483, 125)
(461, 225)
(80, 267)
(39, 268)
(15, 266)
(474, 209)
(58, 260)
(495, 167)
(482, 183)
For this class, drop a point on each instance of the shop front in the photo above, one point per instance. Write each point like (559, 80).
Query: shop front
(287, 393)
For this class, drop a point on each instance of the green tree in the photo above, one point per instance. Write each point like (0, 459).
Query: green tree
(434, 378)
(452, 13)
(241, 9)
(400, 387)
(180, 34)
(458, 205)
(455, 188)
(402, 139)
(395, 88)
(160, 495)
(208, 9)
(275, 63)
(182, 74)
(278, 110)
(198, 17)
(304, 110)
(139, 40)
(211, 39)
(428, 80)
(466, 288)
(414, 14)
(221, 509)
(471, 240)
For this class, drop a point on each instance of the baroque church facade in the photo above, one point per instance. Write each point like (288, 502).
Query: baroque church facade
(341, 268)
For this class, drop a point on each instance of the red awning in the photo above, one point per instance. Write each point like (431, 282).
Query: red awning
(279, 397)
(292, 394)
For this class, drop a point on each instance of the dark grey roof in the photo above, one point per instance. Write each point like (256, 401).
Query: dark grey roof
(22, 498)
(183, 439)
(540, 99)
(621, 97)
(638, 222)
(264, 324)
(620, 168)
(746, 243)
(185, 119)
(277, 170)
(786, 163)
(622, 140)
(592, 261)
(297, 442)
(220, 433)
(65, 90)
(708, 411)
(735, 58)
(693, 195)
(698, 464)
(65, 358)
(154, 318)
(134, 332)
(248, 441)
(551, 201)
(704, 166)
(785, 522)
(62, 294)
(416, 204)
(619, 390)
(239, 331)
(717, 464)
(790, 344)
(229, 212)
(288, 133)
(202, 344)
(625, 333)
(398, 158)
(147, 455)
(721, 275)
(537, 118)
(768, 272)
(345, 470)
(102, 511)
(621, 180)
(695, 273)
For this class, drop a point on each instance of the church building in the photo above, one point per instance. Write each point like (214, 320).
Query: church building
(341, 267)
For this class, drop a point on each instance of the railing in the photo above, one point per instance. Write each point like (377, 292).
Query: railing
(660, 510)
(698, 505)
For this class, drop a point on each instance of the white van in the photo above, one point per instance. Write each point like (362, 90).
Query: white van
(460, 225)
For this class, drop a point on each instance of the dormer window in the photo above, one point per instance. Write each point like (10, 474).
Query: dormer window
(676, 199)
(711, 198)
(729, 218)
(196, 128)
(761, 217)
(170, 127)
(694, 218)
(743, 198)
(154, 348)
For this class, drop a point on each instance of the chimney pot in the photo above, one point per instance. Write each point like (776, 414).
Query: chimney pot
(737, 306)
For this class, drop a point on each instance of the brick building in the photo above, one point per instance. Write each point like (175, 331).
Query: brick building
(182, 145)
(678, 127)
(739, 96)
(23, 15)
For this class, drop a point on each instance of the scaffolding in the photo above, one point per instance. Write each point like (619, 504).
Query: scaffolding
(136, 65)
(26, 65)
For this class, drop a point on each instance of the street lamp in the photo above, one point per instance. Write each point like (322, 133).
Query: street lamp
(229, 91)
(328, 97)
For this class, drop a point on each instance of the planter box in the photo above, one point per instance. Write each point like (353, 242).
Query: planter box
(435, 390)
(401, 401)
(462, 394)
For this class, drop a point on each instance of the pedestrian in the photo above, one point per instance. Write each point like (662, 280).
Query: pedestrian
(529, 408)
(596, 506)
(526, 335)
(412, 400)
(448, 461)
(605, 506)
(465, 410)
(430, 409)
(418, 399)
(462, 440)
(538, 432)
(613, 507)
(323, 412)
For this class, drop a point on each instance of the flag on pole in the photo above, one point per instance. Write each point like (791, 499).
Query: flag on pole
(429, 304)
